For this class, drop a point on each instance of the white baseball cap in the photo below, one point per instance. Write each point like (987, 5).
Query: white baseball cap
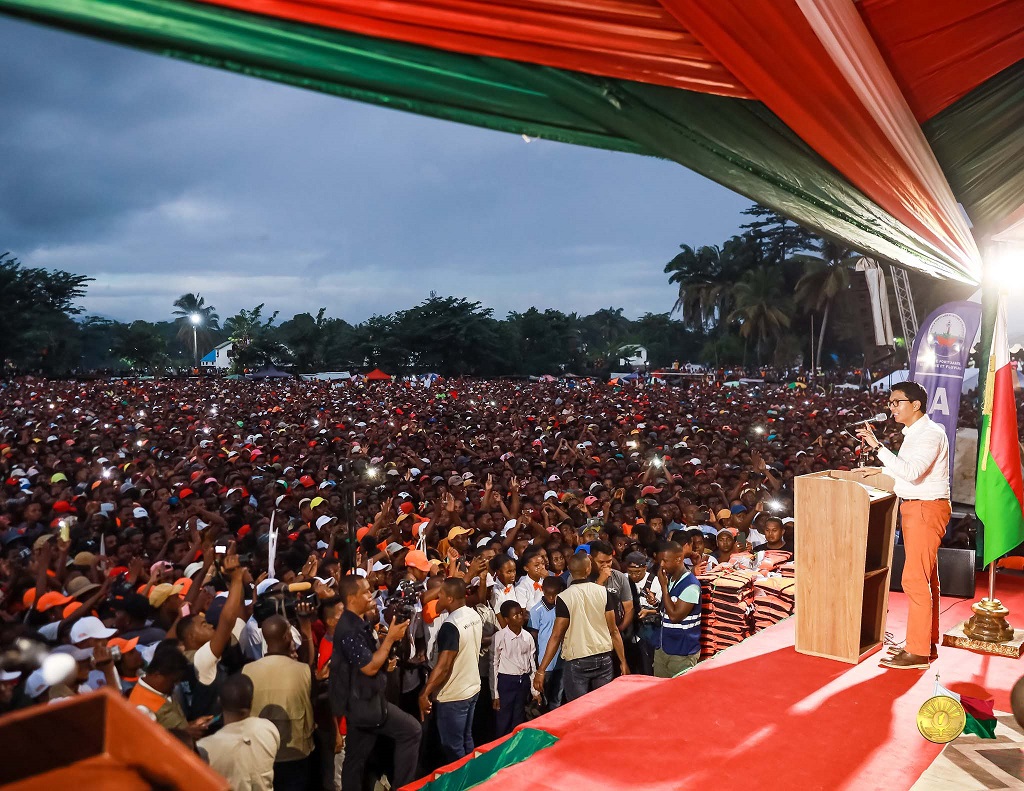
(35, 684)
(264, 586)
(90, 628)
(140, 513)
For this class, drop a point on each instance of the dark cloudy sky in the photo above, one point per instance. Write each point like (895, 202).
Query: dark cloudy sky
(158, 177)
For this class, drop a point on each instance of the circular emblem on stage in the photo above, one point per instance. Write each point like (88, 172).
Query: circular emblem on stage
(947, 335)
(941, 719)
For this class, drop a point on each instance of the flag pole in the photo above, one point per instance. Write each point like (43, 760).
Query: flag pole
(987, 630)
(989, 624)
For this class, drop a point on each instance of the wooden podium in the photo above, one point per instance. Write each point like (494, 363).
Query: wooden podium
(96, 742)
(844, 533)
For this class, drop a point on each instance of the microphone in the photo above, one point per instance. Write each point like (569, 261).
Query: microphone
(881, 417)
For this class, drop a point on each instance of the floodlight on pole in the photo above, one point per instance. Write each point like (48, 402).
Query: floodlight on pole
(196, 319)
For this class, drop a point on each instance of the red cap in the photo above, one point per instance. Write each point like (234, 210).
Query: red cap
(186, 492)
(307, 481)
(63, 507)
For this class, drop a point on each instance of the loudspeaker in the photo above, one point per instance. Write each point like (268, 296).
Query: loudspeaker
(956, 571)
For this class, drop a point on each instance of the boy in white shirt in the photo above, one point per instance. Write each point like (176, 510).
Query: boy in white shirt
(513, 663)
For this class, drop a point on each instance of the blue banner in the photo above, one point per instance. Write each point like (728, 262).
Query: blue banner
(939, 359)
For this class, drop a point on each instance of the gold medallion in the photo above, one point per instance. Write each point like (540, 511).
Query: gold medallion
(941, 719)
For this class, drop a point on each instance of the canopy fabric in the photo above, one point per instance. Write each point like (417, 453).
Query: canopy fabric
(630, 39)
(377, 375)
(980, 143)
(831, 137)
(814, 64)
(941, 50)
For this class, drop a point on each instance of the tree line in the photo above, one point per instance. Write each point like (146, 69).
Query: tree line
(749, 301)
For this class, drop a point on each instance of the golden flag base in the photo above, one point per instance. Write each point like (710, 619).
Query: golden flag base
(957, 638)
(988, 623)
(987, 630)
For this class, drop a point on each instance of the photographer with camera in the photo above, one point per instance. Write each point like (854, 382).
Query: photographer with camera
(358, 676)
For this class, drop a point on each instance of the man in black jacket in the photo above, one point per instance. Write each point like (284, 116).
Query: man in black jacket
(358, 667)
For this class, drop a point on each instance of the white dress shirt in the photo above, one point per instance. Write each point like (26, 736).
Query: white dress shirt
(503, 593)
(529, 592)
(921, 468)
(512, 655)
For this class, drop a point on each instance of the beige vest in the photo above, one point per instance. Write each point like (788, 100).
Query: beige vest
(464, 682)
(587, 634)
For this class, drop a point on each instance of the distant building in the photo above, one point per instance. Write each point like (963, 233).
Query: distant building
(219, 359)
(633, 357)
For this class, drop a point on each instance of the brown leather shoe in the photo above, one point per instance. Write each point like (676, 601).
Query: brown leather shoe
(893, 650)
(905, 661)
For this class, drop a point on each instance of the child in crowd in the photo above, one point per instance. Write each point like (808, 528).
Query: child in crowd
(513, 663)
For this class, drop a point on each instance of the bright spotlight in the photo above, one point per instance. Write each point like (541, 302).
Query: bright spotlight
(196, 318)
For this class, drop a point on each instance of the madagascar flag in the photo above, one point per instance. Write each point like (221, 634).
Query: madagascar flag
(980, 718)
(999, 488)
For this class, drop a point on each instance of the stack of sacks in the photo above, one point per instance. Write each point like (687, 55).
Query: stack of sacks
(727, 608)
(772, 560)
(774, 599)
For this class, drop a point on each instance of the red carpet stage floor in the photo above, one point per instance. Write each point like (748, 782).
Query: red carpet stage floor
(760, 715)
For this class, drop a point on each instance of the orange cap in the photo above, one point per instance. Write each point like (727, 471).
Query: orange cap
(416, 559)
(52, 599)
(124, 645)
(71, 608)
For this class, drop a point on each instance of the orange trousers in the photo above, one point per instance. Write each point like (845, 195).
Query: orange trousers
(924, 525)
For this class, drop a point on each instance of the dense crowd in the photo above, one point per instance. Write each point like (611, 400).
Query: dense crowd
(257, 566)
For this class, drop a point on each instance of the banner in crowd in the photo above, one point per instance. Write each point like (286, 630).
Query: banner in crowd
(939, 359)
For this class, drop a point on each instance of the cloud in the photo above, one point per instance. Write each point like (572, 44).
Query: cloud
(158, 177)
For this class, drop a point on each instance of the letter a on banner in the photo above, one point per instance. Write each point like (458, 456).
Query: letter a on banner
(940, 403)
(939, 359)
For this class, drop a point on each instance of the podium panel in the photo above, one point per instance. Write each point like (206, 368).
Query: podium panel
(844, 534)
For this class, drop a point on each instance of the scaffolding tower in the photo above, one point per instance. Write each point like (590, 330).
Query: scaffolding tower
(904, 304)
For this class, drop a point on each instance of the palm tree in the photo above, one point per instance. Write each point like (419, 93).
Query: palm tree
(706, 278)
(826, 274)
(761, 310)
(698, 276)
(190, 332)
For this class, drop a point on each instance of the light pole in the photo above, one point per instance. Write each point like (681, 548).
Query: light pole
(196, 319)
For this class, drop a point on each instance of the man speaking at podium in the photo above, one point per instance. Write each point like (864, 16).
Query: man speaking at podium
(921, 470)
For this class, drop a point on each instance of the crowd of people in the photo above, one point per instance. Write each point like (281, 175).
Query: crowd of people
(316, 585)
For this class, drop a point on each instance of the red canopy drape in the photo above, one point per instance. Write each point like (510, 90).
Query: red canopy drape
(627, 39)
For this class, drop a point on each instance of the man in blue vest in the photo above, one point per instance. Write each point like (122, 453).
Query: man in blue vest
(680, 621)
